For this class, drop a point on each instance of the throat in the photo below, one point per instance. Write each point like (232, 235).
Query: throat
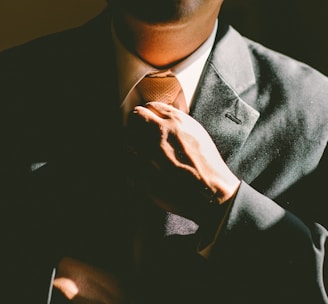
(162, 45)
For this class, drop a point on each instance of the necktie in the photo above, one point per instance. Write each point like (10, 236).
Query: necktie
(163, 87)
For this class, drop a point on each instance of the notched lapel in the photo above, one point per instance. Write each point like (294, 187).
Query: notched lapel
(228, 120)
(226, 117)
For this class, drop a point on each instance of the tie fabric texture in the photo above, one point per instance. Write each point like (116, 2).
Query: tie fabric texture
(163, 87)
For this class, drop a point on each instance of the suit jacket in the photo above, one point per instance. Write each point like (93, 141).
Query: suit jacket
(63, 187)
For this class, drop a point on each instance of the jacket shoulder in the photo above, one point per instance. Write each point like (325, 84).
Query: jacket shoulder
(52, 50)
(275, 68)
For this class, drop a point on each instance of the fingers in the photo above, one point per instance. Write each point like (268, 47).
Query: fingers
(164, 116)
(168, 121)
(84, 283)
(67, 287)
(174, 155)
(155, 111)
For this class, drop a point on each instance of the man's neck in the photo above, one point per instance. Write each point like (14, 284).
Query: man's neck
(163, 45)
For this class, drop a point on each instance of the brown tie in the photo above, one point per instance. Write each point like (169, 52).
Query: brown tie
(163, 87)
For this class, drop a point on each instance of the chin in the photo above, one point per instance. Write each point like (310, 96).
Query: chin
(165, 11)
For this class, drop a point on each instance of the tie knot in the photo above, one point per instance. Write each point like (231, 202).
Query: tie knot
(163, 87)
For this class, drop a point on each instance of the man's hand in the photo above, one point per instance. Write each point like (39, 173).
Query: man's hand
(84, 284)
(183, 157)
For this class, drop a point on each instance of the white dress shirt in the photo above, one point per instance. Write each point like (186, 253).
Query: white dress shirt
(131, 69)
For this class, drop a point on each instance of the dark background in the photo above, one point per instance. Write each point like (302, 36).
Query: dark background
(297, 28)
(294, 27)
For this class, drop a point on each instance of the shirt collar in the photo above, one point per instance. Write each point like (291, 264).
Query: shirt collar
(131, 69)
(189, 71)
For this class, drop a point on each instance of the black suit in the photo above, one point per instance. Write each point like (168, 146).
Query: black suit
(63, 186)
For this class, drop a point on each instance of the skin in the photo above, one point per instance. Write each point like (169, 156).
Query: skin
(162, 37)
(168, 39)
(84, 284)
(197, 155)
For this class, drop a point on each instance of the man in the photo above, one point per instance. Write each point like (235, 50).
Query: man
(215, 197)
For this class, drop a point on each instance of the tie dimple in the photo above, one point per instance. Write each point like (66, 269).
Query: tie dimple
(163, 87)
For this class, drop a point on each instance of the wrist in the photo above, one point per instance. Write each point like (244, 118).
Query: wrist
(214, 204)
(219, 193)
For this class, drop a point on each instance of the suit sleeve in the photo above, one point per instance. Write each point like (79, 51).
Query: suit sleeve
(263, 235)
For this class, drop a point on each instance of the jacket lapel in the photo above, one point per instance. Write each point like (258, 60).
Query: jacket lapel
(218, 105)
(219, 108)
